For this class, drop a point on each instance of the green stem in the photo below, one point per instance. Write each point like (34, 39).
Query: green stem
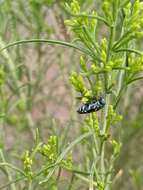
(91, 185)
(30, 185)
(129, 50)
(85, 179)
(12, 185)
(135, 79)
(54, 42)
(5, 164)
(109, 54)
(119, 92)
(119, 96)
(109, 174)
(112, 34)
(71, 182)
(102, 149)
(12, 182)
(121, 75)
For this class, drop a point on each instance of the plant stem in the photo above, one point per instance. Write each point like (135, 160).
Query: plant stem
(71, 181)
(109, 53)
(85, 179)
(54, 42)
(30, 185)
(91, 185)
(12, 182)
(12, 186)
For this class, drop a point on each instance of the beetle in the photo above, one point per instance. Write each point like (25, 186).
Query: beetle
(92, 107)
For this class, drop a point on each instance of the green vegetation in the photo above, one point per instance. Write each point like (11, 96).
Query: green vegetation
(79, 50)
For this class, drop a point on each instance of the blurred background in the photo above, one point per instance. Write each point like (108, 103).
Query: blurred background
(36, 93)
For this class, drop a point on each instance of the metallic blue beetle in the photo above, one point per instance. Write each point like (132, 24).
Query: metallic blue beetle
(92, 107)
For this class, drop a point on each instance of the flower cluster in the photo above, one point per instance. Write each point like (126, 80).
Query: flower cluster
(27, 162)
(50, 150)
